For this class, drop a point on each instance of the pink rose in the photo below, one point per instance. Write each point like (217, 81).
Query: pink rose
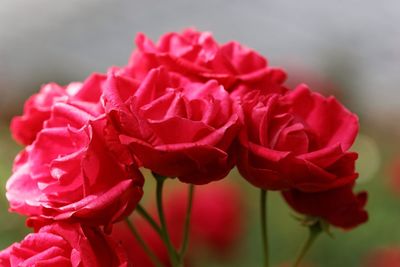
(38, 107)
(172, 126)
(299, 140)
(339, 207)
(198, 56)
(65, 245)
(68, 172)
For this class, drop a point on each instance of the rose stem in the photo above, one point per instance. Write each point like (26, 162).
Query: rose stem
(148, 251)
(148, 218)
(186, 230)
(264, 226)
(173, 255)
(314, 231)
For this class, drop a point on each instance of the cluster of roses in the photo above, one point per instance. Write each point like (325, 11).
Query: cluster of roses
(186, 107)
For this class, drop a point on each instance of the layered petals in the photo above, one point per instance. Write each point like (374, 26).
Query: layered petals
(65, 245)
(38, 107)
(173, 126)
(69, 173)
(198, 56)
(298, 140)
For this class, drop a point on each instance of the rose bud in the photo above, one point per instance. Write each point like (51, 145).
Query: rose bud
(174, 127)
(199, 57)
(299, 140)
(38, 107)
(68, 172)
(68, 245)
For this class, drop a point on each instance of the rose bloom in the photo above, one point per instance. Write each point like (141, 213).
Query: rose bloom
(217, 224)
(172, 126)
(38, 107)
(68, 172)
(199, 57)
(339, 207)
(69, 245)
(298, 140)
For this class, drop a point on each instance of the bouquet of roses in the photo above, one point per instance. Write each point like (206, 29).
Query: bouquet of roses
(187, 108)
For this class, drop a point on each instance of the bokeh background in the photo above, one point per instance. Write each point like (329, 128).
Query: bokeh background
(350, 49)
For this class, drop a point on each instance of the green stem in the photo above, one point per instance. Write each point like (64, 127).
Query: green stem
(148, 251)
(173, 255)
(186, 230)
(264, 226)
(314, 231)
(148, 218)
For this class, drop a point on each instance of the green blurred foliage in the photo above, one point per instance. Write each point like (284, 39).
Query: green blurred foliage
(12, 226)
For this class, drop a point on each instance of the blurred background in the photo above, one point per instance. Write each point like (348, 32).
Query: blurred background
(350, 49)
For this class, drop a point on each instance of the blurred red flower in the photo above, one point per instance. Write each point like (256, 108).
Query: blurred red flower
(383, 257)
(217, 223)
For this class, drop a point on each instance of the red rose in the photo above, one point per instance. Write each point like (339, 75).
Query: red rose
(339, 207)
(69, 245)
(216, 224)
(296, 141)
(174, 127)
(69, 173)
(198, 56)
(38, 107)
